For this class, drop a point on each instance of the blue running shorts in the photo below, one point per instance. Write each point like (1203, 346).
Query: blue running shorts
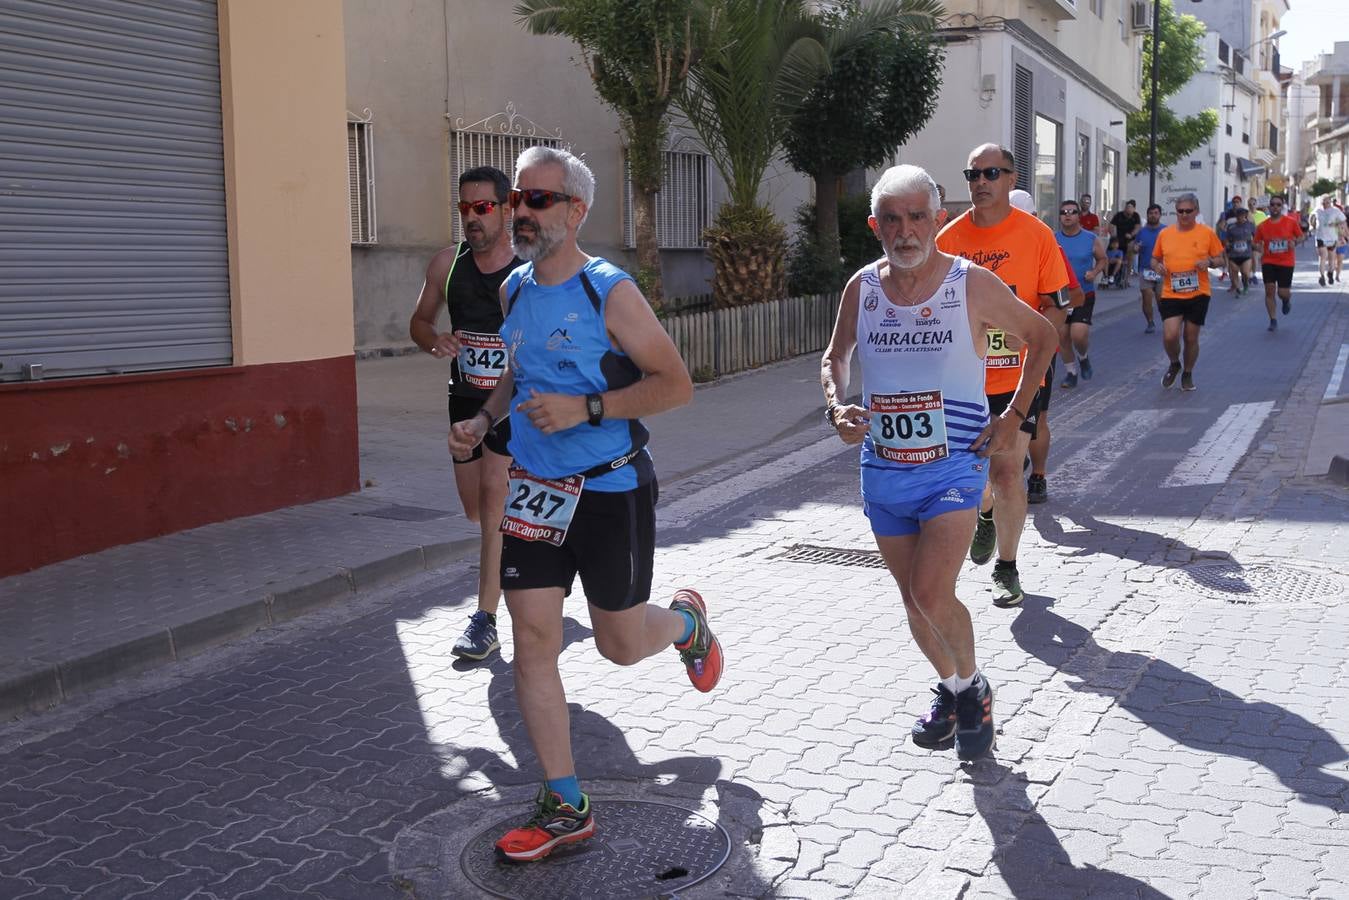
(897, 500)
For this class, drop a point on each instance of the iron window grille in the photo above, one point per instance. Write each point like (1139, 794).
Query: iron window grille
(683, 204)
(361, 178)
(497, 140)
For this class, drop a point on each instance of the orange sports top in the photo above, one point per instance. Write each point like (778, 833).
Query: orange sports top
(1185, 255)
(1021, 251)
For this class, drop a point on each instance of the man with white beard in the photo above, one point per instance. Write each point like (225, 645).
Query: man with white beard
(587, 357)
(918, 320)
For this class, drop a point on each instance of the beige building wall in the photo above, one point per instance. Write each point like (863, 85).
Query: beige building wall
(282, 71)
(440, 65)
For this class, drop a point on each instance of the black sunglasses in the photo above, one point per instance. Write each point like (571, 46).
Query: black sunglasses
(1184, 212)
(481, 207)
(1068, 212)
(536, 198)
(992, 173)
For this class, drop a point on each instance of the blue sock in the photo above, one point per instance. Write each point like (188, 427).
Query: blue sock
(689, 626)
(569, 789)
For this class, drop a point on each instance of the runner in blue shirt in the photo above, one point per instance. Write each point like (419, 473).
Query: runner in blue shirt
(1147, 280)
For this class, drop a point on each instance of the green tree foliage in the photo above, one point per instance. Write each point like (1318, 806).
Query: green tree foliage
(1323, 186)
(761, 60)
(876, 96)
(809, 270)
(638, 53)
(1181, 58)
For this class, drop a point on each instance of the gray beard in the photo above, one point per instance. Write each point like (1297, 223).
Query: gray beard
(544, 242)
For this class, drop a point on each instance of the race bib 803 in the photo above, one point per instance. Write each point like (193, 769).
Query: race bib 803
(909, 428)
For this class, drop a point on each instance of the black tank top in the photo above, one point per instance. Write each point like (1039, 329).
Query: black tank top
(474, 305)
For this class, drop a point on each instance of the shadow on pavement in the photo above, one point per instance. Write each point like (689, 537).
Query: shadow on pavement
(1188, 709)
(1029, 855)
(286, 773)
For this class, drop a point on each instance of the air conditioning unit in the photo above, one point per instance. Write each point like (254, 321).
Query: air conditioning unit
(1141, 16)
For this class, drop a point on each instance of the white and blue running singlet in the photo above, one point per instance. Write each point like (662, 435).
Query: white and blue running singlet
(557, 343)
(923, 383)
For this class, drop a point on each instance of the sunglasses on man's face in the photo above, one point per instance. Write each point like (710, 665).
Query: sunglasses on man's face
(1067, 212)
(536, 198)
(1184, 212)
(478, 207)
(992, 173)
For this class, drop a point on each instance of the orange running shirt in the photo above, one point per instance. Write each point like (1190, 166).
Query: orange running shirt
(1185, 255)
(1021, 251)
(1270, 231)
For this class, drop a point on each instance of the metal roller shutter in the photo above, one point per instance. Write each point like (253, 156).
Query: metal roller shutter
(1023, 125)
(113, 254)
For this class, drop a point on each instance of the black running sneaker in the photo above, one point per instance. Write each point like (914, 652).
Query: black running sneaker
(939, 725)
(974, 719)
(985, 540)
(1169, 378)
(1037, 489)
(1287, 306)
(1187, 382)
(479, 639)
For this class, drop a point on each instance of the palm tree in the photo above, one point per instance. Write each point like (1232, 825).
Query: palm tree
(760, 60)
(638, 54)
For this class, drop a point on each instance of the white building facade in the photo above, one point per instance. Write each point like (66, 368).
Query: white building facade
(1052, 80)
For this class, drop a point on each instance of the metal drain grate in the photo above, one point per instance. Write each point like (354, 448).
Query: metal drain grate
(834, 556)
(640, 849)
(1254, 584)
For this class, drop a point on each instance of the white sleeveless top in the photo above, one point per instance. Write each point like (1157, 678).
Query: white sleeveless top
(921, 377)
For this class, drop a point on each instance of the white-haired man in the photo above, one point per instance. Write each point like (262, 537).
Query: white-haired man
(918, 320)
(587, 357)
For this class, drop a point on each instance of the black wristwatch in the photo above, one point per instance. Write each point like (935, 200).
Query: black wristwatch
(594, 408)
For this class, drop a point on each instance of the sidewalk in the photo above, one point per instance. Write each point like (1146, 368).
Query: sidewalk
(73, 626)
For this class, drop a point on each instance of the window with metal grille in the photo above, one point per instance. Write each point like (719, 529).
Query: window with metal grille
(1023, 126)
(361, 178)
(498, 141)
(683, 204)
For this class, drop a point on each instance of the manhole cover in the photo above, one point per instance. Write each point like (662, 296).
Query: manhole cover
(640, 849)
(834, 556)
(405, 513)
(1259, 583)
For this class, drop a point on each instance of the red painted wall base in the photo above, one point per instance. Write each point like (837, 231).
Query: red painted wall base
(90, 463)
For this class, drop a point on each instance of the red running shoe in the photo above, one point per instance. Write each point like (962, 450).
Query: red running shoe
(553, 824)
(701, 653)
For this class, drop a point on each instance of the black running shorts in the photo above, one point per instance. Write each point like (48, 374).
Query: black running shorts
(465, 408)
(1194, 310)
(1082, 315)
(997, 405)
(611, 544)
(1277, 275)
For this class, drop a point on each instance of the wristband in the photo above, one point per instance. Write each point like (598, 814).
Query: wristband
(1019, 413)
(490, 421)
(829, 415)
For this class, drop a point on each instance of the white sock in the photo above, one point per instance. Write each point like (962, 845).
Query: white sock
(1071, 367)
(957, 684)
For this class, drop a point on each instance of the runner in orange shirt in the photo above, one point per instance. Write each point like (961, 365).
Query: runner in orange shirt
(1020, 250)
(1276, 237)
(1182, 257)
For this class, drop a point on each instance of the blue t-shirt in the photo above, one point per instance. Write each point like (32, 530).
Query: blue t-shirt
(1147, 239)
(1081, 252)
(558, 344)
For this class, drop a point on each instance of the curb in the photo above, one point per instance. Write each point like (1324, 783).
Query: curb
(50, 684)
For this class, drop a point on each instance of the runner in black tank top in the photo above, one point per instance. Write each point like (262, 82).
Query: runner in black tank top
(465, 278)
